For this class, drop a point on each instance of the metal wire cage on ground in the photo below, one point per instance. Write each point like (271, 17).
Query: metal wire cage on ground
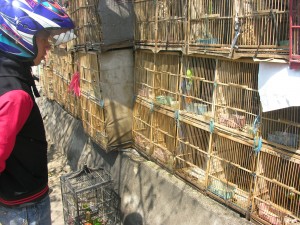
(89, 190)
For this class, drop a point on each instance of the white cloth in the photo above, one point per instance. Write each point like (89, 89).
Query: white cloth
(278, 86)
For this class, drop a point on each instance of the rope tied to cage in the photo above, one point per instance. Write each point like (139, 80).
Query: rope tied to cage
(101, 102)
(257, 144)
(211, 126)
(257, 140)
(134, 97)
(176, 117)
(151, 107)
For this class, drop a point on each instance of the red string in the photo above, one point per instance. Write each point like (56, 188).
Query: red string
(75, 84)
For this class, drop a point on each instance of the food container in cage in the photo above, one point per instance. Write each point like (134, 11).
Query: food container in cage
(232, 121)
(207, 41)
(270, 214)
(88, 195)
(221, 189)
(284, 138)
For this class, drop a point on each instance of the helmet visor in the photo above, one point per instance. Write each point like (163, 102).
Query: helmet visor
(63, 37)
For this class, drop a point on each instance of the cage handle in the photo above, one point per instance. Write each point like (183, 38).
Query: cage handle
(85, 170)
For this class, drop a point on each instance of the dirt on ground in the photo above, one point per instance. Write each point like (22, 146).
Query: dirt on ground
(57, 166)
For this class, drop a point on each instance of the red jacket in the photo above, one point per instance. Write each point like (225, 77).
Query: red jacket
(23, 145)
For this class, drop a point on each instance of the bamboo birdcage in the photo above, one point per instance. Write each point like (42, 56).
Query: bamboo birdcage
(93, 119)
(145, 22)
(231, 167)
(88, 24)
(171, 24)
(264, 28)
(141, 127)
(210, 26)
(160, 25)
(192, 153)
(144, 74)
(97, 113)
(166, 80)
(197, 87)
(87, 64)
(72, 102)
(281, 128)
(163, 129)
(237, 103)
(157, 77)
(276, 198)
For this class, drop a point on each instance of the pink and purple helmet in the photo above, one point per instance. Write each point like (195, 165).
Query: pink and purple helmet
(21, 20)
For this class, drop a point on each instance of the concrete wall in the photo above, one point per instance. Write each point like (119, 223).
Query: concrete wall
(149, 194)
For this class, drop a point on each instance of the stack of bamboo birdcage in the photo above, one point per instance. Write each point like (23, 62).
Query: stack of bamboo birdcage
(210, 105)
(156, 87)
(229, 28)
(96, 60)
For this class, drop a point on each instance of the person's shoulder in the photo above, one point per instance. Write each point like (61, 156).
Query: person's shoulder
(16, 96)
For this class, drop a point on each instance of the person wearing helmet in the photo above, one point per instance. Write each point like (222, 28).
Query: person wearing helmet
(26, 27)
